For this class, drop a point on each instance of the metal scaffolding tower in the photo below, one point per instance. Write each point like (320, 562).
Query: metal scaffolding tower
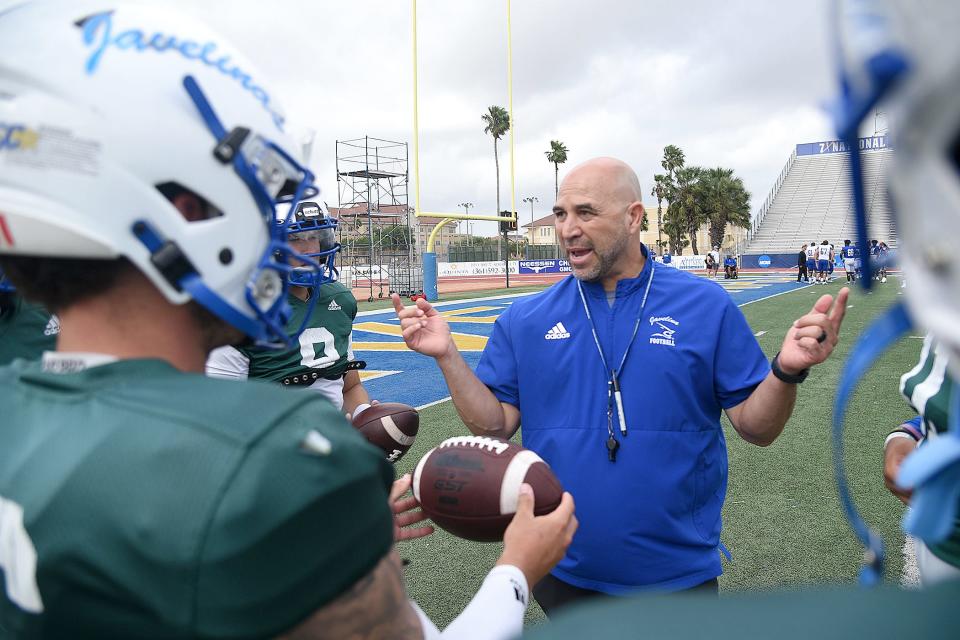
(378, 251)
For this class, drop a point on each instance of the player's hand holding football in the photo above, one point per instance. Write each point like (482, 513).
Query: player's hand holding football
(424, 329)
(813, 337)
(406, 512)
(535, 544)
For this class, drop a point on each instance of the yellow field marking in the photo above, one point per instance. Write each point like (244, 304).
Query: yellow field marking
(378, 327)
(460, 315)
(373, 374)
(464, 341)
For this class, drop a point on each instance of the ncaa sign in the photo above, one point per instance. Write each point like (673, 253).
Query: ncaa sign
(764, 261)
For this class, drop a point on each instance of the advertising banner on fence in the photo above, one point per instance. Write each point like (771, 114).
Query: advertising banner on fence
(768, 261)
(459, 269)
(544, 266)
(688, 263)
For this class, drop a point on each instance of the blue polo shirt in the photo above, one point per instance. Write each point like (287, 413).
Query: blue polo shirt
(650, 520)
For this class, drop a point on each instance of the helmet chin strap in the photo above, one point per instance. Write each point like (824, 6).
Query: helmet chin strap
(875, 340)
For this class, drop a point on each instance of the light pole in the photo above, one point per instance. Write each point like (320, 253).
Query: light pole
(466, 210)
(531, 200)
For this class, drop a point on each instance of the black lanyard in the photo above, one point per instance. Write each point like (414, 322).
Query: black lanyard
(614, 396)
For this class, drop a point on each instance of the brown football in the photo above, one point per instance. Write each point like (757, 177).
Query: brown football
(469, 485)
(391, 426)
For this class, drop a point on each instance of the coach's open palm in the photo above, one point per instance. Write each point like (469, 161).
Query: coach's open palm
(424, 329)
(813, 337)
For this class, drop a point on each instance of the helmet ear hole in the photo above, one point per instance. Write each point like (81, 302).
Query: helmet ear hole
(191, 205)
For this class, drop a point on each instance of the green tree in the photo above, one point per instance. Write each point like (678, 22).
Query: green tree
(497, 122)
(673, 159)
(661, 187)
(686, 206)
(557, 155)
(674, 227)
(724, 201)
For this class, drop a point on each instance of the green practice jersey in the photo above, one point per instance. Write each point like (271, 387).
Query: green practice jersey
(26, 331)
(137, 501)
(927, 387)
(325, 345)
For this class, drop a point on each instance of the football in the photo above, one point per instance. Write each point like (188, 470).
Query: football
(469, 485)
(391, 426)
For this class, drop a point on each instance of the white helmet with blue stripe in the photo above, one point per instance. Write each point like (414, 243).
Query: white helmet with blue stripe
(904, 57)
(110, 110)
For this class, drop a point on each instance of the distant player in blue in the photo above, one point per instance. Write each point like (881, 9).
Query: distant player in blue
(730, 267)
(812, 259)
(824, 258)
(883, 255)
(849, 255)
(667, 258)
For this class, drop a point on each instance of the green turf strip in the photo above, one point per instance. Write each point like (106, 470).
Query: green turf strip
(782, 520)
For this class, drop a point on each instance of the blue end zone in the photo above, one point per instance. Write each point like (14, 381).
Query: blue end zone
(405, 376)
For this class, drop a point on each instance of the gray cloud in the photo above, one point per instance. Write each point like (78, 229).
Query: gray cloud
(735, 83)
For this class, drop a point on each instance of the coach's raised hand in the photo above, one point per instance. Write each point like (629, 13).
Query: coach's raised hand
(427, 332)
(813, 337)
(424, 329)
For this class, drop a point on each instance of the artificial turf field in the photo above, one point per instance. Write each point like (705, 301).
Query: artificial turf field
(782, 520)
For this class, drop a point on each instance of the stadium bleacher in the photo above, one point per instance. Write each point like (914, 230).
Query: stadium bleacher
(812, 200)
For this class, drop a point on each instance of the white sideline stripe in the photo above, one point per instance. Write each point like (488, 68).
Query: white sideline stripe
(910, 576)
(394, 431)
(513, 478)
(758, 334)
(430, 404)
(774, 295)
(417, 471)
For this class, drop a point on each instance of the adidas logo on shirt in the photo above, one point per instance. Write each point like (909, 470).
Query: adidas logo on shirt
(557, 332)
(334, 306)
(53, 327)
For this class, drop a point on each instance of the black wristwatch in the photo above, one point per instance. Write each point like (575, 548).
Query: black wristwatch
(783, 375)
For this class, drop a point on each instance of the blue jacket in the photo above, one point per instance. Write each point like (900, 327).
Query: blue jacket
(652, 518)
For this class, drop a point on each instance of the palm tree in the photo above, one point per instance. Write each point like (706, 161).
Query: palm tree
(557, 155)
(675, 228)
(498, 123)
(661, 185)
(725, 200)
(673, 159)
(687, 203)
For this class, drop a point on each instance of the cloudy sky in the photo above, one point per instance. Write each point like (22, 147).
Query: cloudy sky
(734, 83)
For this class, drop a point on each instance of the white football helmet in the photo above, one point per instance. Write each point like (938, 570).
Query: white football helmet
(904, 58)
(108, 107)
